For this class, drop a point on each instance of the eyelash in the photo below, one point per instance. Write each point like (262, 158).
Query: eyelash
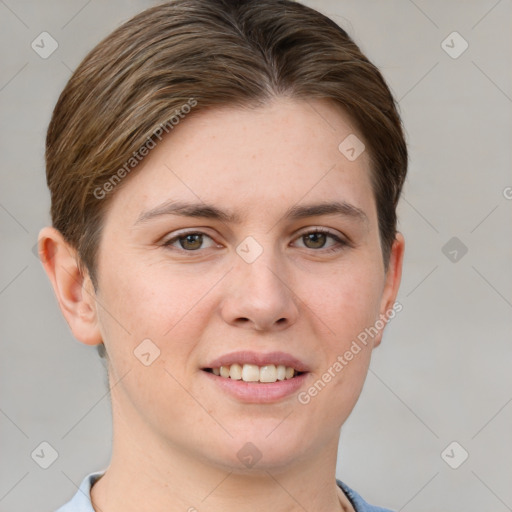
(337, 247)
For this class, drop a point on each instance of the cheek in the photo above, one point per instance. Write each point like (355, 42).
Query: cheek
(346, 309)
(348, 303)
(152, 299)
(140, 304)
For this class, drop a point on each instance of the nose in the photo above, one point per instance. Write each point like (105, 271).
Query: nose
(259, 296)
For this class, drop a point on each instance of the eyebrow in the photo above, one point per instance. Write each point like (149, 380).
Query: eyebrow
(206, 211)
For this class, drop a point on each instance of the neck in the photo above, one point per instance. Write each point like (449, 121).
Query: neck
(148, 473)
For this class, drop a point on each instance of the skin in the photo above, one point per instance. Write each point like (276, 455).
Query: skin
(176, 435)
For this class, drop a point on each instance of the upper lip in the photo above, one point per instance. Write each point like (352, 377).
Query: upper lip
(259, 359)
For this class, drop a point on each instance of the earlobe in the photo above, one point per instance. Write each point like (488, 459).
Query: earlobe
(392, 283)
(74, 291)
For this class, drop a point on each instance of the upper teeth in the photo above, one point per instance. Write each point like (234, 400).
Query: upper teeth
(254, 373)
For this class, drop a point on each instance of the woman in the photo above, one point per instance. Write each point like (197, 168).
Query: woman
(224, 179)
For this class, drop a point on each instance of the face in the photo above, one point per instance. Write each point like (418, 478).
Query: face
(246, 236)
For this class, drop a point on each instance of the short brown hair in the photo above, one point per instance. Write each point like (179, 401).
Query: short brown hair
(215, 52)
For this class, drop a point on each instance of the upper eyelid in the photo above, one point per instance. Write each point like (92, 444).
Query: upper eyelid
(181, 234)
(316, 229)
(338, 238)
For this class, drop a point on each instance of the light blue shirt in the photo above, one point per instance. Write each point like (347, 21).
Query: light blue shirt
(81, 501)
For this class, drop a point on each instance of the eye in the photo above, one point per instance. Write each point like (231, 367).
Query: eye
(316, 239)
(191, 241)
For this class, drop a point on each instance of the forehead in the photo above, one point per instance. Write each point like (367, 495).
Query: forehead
(254, 160)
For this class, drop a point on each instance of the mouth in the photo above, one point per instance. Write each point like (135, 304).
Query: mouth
(253, 377)
(247, 372)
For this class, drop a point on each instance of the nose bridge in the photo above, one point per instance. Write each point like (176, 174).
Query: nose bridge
(259, 292)
(259, 268)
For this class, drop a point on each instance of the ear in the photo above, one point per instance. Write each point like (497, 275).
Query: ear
(74, 291)
(392, 284)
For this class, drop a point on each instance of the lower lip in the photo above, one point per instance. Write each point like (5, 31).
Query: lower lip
(258, 393)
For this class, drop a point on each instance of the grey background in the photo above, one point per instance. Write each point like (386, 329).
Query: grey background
(443, 372)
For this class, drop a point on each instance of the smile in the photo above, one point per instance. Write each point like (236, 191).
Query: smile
(254, 373)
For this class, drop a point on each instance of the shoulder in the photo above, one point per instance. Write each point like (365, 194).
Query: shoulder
(81, 501)
(357, 502)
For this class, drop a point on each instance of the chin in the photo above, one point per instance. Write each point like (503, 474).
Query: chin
(257, 451)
